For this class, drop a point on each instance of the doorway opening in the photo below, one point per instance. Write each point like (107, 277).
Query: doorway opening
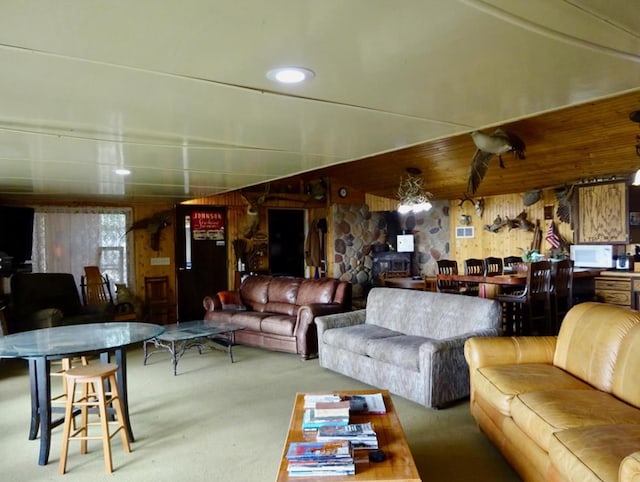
(286, 242)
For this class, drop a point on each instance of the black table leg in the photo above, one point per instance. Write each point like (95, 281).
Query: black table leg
(43, 387)
(121, 360)
(35, 415)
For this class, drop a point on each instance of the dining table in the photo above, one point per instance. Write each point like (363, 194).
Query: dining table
(411, 283)
(489, 286)
(40, 347)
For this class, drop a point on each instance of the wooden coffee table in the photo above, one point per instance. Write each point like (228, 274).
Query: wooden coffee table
(399, 464)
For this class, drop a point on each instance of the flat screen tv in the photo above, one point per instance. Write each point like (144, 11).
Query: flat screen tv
(16, 232)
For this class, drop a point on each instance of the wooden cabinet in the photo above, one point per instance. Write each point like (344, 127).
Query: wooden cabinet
(618, 290)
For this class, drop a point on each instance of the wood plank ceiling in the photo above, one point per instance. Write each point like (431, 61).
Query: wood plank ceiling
(580, 143)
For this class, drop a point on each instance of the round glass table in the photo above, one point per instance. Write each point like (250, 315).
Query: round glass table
(39, 347)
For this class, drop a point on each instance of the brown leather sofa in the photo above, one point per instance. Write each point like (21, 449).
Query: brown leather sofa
(565, 407)
(278, 313)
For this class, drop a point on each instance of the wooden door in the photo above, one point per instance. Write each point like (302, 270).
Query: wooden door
(286, 242)
(201, 257)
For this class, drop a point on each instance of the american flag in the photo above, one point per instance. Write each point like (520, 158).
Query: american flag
(552, 236)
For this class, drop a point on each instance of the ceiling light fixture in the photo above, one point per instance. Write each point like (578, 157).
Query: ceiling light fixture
(122, 171)
(411, 193)
(290, 75)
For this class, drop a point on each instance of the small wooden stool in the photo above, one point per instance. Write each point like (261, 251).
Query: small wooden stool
(94, 376)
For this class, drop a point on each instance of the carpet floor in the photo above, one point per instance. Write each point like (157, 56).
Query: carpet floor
(218, 421)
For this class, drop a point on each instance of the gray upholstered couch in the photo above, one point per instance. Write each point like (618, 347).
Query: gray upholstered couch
(409, 342)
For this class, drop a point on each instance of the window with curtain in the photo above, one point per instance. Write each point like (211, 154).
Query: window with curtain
(66, 239)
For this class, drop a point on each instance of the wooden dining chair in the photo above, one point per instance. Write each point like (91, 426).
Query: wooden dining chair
(561, 291)
(158, 303)
(528, 312)
(511, 262)
(448, 267)
(492, 266)
(473, 267)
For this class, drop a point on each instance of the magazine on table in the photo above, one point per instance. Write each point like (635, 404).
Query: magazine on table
(361, 403)
(366, 403)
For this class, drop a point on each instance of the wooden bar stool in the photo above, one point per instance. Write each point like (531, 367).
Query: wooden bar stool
(93, 379)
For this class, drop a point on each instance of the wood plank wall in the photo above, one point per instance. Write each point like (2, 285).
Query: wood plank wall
(506, 242)
(143, 253)
(236, 212)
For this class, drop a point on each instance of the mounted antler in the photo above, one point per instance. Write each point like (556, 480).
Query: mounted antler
(465, 199)
(478, 204)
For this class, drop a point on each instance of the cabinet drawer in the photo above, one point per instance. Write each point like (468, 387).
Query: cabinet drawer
(636, 284)
(615, 297)
(613, 284)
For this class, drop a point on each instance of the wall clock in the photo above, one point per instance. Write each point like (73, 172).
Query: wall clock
(342, 192)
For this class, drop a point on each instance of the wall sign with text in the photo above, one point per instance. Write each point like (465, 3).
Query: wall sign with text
(207, 226)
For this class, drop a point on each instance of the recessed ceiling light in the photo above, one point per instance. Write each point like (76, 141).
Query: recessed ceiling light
(290, 75)
(122, 172)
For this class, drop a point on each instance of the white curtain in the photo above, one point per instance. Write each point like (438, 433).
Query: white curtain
(66, 239)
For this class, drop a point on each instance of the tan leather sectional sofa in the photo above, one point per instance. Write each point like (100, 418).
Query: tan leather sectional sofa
(278, 313)
(567, 407)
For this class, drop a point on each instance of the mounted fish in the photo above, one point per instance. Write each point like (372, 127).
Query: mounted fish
(532, 197)
(487, 146)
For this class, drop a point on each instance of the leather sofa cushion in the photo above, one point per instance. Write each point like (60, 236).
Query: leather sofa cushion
(499, 384)
(280, 308)
(589, 341)
(254, 291)
(251, 320)
(224, 316)
(278, 325)
(541, 414)
(593, 453)
(356, 338)
(402, 351)
(283, 290)
(317, 291)
(625, 378)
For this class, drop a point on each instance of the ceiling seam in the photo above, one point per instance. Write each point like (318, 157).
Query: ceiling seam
(234, 86)
(548, 32)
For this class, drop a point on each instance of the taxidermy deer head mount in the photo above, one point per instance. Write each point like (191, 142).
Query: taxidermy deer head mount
(251, 221)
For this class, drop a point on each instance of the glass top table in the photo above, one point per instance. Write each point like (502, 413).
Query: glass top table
(179, 337)
(39, 347)
(66, 341)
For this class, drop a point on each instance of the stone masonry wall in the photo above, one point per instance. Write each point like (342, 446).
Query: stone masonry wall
(356, 230)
